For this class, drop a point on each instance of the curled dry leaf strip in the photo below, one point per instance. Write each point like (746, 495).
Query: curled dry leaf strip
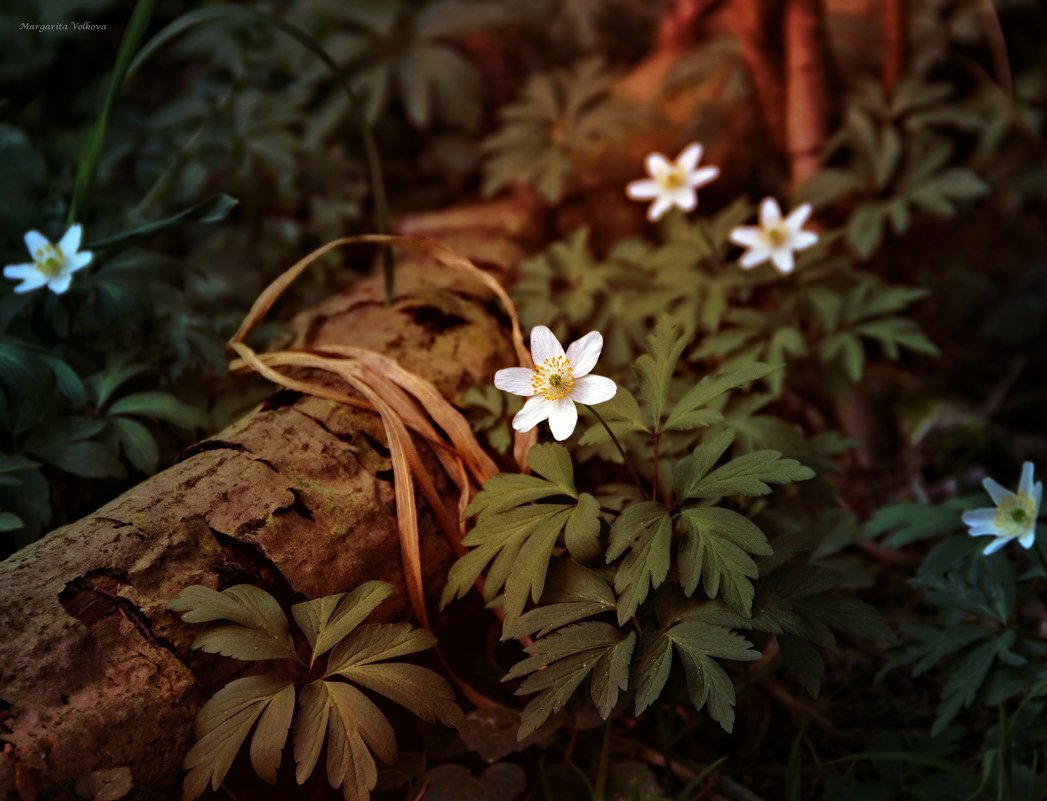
(403, 401)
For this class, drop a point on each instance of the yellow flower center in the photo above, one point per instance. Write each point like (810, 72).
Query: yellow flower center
(48, 260)
(1015, 515)
(553, 379)
(674, 178)
(777, 236)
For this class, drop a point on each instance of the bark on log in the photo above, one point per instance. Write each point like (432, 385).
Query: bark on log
(98, 685)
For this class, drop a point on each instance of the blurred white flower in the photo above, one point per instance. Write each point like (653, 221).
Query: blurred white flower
(52, 265)
(558, 381)
(1014, 516)
(774, 238)
(672, 183)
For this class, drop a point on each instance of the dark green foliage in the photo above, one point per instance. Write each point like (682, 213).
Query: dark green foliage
(616, 588)
(561, 116)
(247, 623)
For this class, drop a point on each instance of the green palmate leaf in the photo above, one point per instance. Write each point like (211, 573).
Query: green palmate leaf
(560, 662)
(718, 545)
(327, 621)
(572, 593)
(750, 474)
(517, 541)
(692, 411)
(261, 630)
(698, 645)
(353, 727)
(161, 405)
(359, 658)
(655, 368)
(582, 532)
(623, 415)
(645, 531)
(224, 723)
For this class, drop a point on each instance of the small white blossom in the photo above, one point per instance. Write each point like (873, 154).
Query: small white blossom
(52, 265)
(672, 183)
(558, 381)
(1014, 516)
(774, 238)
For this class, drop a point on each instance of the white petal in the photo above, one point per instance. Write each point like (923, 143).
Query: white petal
(1028, 539)
(643, 189)
(562, 418)
(659, 208)
(996, 492)
(796, 219)
(986, 530)
(689, 157)
(995, 545)
(802, 240)
(16, 271)
(34, 240)
(593, 389)
(1025, 485)
(583, 353)
(706, 175)
(31, 282)
(978, 516)
(747, 236)
(544, 344)
(657, 164)
(1037, 495)
(685, 198)
(516, 380)
(60, 284)
(754, 256)
(80, 260)
(783, 260)
(70, 242)
(770, 213)
(533, 412)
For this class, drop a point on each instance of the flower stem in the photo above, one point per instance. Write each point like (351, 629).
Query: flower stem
(654, 481)
(618, 445)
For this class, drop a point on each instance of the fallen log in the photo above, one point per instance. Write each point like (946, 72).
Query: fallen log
(98, 685)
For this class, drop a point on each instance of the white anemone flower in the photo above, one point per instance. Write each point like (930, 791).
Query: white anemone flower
(1014, 516)
(52, 265)
(672, 183)
(774, 238)
(558, 381)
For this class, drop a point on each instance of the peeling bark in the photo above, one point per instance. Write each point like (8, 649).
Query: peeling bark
(98, 685)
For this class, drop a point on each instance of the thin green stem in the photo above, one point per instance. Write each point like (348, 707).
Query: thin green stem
(654, 480)
(600, 788)
(618, 445)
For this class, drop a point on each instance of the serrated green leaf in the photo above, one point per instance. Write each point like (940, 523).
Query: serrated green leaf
(750, 474)
(559, 663)
(224, 723)
(572, 593)
(690, 411)
(582, 531)
(611, 675)
(655, 368)
(717, 548)
(250, 607)
(645, 531)
(327, 621)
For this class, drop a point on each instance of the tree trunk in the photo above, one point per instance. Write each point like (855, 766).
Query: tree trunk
(98, 685)
(807, 87)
